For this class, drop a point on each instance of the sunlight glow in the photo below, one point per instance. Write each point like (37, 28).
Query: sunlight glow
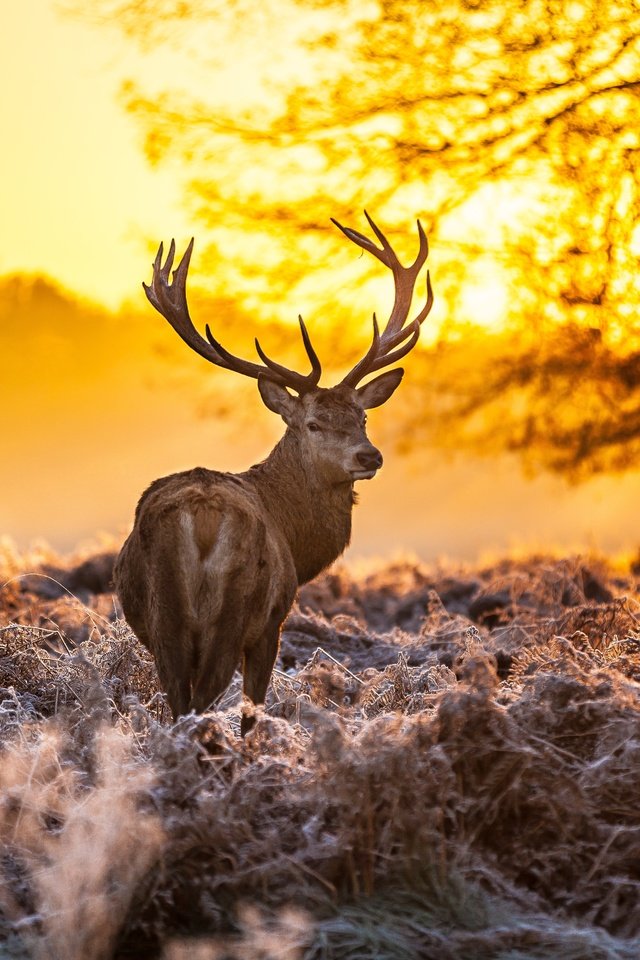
(248, 126)
(81, 202)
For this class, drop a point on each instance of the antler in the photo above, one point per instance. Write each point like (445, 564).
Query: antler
(170, 299)
(385, 347)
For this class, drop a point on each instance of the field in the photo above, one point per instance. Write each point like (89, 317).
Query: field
(447, 767)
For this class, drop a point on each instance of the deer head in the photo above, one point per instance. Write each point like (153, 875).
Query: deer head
(328, 424)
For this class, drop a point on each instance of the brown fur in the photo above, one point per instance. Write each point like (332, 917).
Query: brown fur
(212, 565)
(213, 562)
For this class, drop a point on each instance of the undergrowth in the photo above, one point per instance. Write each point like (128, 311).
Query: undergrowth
(447, 766)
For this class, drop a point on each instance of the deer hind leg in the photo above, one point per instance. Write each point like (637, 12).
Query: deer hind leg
(170, 653)
(172, 656)
(258, 663)
(178, 694)
(215, 673)
(173, 651)
(220, 649)
(172, 637)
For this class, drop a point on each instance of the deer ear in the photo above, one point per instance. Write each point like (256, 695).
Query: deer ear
(378, 391)
(277, 398)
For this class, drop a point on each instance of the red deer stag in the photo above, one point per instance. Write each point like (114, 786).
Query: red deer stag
(214, 560)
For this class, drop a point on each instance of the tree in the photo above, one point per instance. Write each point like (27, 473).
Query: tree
(525, 113)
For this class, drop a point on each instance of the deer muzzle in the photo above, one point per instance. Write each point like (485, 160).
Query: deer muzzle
(369, 461)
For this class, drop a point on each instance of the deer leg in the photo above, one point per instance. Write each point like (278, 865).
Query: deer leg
(172, 648)
(219, 648)
(173, 672)
(178, 694)
(171, 641)
(214, 676)
(257, 669)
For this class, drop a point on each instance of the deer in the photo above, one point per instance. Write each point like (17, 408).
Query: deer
(214, 560)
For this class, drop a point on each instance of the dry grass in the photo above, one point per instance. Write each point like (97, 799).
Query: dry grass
(447, 766)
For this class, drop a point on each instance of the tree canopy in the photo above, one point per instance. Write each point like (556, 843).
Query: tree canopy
(511, 127)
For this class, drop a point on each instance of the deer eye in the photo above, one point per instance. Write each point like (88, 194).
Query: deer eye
(313, 427)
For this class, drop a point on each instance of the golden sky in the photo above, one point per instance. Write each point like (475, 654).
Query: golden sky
(80, 203)
(78, 200)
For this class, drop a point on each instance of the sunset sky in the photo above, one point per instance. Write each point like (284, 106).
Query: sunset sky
(82, 205)
(79, 201)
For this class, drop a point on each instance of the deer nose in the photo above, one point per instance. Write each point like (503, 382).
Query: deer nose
(369, 459)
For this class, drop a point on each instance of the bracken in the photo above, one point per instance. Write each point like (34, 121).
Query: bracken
(417, 785)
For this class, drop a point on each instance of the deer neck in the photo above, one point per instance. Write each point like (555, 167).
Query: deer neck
(313, 515)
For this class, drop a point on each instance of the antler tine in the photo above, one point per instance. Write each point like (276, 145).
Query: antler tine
(423, 249)
(166, 270)
(392, 340)
(359, 239)
(316, 366)
(385, 348)
(386, 246)
(156, 266)
(364, 366)
(413, 333)
(372, 361)
(170, 299)
(305, 383)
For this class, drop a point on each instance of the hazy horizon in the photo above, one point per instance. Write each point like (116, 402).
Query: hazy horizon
(100, 395)
(84, 442)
